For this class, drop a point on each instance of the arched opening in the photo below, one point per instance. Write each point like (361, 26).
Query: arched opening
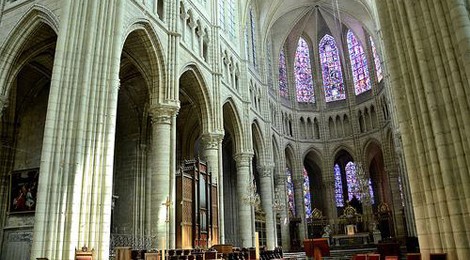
(342, 159)
(196, 222)
(260, 210)
(22, 130)
(230, 146)
(381, 186)
(130, 219)
(314, 191)
(292, 208)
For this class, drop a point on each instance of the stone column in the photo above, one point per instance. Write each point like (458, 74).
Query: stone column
(159, 166)
(427, 43)
(298, 179)
(212, 154)
(245, 210)
(266, 185)
(76, 172)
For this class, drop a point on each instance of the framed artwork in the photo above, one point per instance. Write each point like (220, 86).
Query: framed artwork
(23, 190)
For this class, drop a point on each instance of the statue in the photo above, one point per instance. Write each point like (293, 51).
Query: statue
(327, 231)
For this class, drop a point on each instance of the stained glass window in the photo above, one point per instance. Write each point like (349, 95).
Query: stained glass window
(307, 198)
(338, 186)
(331, 69)
(371, 192)
(222, 14)
(283, 90)
(353, 183)
(359, 67)
(378, 66)
(270, 63)
(303, 73)
(231, 17)
(227, 17)
(253, 36)
(290, 192)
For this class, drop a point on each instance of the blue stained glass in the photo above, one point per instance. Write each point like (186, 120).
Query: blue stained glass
(290, 192)
(231, 17)
(371, 192)
(378, 66)
(331, 69)
(358, 64)
(222, 14)
(338, 187)
(351, 179)
(307, 198)
(283, 90)
(270, 63)
(253, 36)
(303, 73)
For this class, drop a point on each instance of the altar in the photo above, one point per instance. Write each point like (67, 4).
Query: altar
(350, 240)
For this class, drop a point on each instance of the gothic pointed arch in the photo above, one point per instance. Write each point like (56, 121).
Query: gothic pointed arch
(139, 75)
(142, 46)
(314, 189)
(331, 69)
(22, 43)
(303, 72)
(232, 124)
(375, 166)
(232, 145)
(257, 136)
(194, 90)
(27, 60)
(359, 64)
(342, 159)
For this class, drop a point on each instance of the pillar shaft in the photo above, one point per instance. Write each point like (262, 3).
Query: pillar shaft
(429, 77)
(245, 210)
(212, 154)
(266, 186)
(160, 213)
(75, 183)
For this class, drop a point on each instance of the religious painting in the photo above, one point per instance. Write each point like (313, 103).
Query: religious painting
(23, 190)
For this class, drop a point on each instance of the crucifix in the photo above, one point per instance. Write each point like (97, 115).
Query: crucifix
(167, 205)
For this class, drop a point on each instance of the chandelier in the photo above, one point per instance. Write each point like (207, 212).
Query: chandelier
(251, 196)
(363, 184)
(278, 205)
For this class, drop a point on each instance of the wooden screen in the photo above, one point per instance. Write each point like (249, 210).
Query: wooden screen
(196, 211)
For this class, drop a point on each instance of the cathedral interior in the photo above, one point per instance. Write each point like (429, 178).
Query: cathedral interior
(198, 124)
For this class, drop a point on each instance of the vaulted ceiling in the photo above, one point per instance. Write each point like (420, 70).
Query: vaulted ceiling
(282, 17)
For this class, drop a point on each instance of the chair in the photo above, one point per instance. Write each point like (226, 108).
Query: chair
(413, 256)
(438, 256)
(83, 254)
(360, 257)
(373, 256)
(152, 256)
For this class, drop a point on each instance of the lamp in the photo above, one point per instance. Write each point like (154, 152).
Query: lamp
(363, 184)
(252, 197)
(278, 205)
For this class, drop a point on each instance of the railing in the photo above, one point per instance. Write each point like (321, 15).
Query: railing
(132, 241)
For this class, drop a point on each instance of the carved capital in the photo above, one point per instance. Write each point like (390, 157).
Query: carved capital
(162, 114)
(265, 171)
(243, 159)
(211, 141)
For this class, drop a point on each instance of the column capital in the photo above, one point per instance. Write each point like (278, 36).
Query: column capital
(162, 114)
(211, 141)
(243, 159)
(265, 171)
